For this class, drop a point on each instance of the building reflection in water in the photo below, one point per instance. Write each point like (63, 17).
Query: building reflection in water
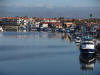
(65, 36)
(36, 35)
(33, 35)
(87, 61)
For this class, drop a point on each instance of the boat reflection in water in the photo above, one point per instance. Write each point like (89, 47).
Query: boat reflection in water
(65, 37)
(78, 45)
(87, 61)
(98, 55)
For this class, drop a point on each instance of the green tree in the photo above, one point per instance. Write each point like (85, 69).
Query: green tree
(91, 15)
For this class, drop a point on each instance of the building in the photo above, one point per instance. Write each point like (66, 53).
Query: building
(13, 23)
(51, 20)
(44, 25)
(68, 24)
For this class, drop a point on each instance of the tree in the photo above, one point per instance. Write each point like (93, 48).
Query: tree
(91, 15)
(17, 16)
(25, 16)
(90, 19)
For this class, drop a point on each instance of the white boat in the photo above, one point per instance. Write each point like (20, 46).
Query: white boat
(78, 40)
(1, 29)
(62, 30)
(87, 46)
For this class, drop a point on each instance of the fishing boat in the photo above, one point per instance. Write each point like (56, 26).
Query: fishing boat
(78, 40)
(1, 29)
(87, 45)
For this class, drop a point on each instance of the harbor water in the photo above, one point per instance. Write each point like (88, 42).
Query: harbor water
(43, 53)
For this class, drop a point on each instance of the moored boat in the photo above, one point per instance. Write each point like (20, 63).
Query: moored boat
(78, 40)
(87, 46)
(1, 29)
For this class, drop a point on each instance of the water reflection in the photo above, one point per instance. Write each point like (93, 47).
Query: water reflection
(51, 54)
(68, 37)
(33, 55)
(30, 35)
(25, 35)
(87, 61)
(98, 55)
(78, 45)
(29, 49)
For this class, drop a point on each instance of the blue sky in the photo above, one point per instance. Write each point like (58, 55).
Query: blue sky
(51, 3)
(50, 8)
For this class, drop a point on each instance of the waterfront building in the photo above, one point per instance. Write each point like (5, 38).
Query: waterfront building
(44, 25)
(51, 20)
(13, 23)
(95, 29)
(69, 24)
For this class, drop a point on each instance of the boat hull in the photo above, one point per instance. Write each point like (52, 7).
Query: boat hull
(87, 50)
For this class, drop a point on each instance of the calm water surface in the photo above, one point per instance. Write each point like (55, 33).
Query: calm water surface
(41, 53)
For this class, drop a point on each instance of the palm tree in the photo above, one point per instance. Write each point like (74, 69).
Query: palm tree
(91, 15)
(90, 18)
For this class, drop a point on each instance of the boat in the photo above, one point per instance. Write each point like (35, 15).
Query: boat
(1, 29)
(63, 30)
(78, 40)
(67, 31)
(97, 45)
(87, 45)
